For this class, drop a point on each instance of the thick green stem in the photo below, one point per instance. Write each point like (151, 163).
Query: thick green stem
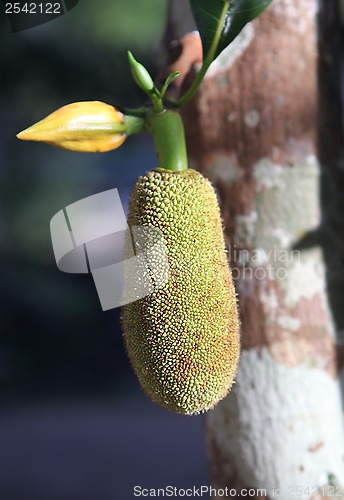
(157, 102)
(207, 61)
(168, 135)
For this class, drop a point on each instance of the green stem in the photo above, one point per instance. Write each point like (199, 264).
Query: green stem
(133, 124)
(157, 102)
(137, 112)
(206, 63)
(168, 135)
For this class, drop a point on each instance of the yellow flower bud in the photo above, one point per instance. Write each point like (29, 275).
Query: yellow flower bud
(88, 127)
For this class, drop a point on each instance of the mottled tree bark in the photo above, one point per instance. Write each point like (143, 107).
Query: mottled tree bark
(252, 130)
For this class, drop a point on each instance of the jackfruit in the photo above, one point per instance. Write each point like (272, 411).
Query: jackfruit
(183, 339)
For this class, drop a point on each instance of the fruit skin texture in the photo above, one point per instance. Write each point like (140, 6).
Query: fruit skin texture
(183, 339)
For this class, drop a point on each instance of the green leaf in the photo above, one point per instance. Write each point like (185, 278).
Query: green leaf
(208, 14)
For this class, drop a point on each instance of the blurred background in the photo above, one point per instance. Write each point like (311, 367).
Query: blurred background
(74, 423)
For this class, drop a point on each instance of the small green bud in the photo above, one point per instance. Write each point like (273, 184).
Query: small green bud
(140, 74)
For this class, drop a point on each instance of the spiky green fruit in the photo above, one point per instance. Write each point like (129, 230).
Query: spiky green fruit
(183, 339)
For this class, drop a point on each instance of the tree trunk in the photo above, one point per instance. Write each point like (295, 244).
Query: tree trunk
(252, 130)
